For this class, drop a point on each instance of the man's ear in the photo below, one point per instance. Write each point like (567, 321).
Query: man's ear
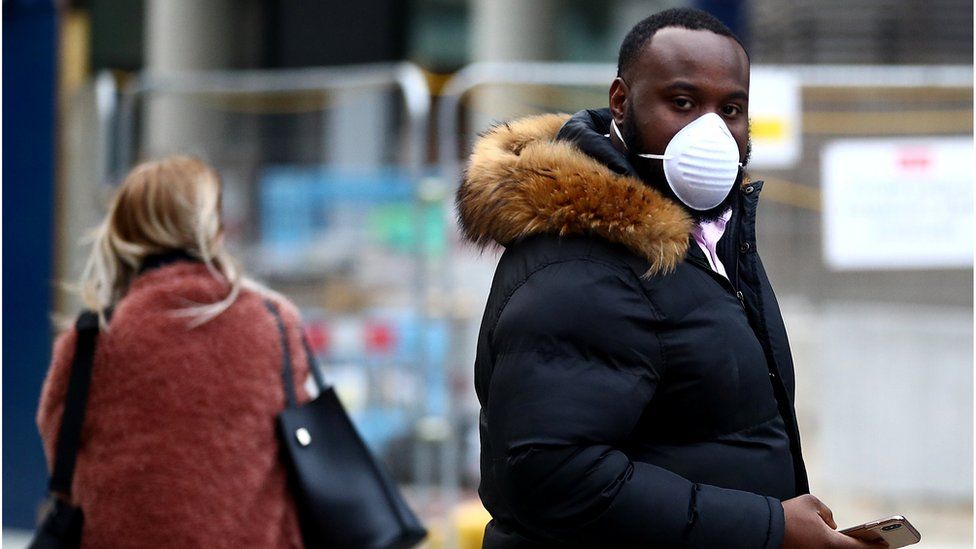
(618, 99)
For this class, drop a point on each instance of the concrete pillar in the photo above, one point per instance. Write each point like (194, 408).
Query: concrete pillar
(513, 30)
(188, 34)
(183, 35)
(510, 30)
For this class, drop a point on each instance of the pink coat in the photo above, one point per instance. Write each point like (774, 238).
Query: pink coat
(178, 447)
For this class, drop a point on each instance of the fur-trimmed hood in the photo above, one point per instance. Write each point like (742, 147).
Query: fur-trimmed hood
(521, 181)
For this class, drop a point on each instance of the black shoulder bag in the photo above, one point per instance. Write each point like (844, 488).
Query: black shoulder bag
(345, 497)
(61, 525)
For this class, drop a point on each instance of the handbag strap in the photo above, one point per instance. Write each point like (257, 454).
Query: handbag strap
(69, 436)
(286, 367)
(313, 365)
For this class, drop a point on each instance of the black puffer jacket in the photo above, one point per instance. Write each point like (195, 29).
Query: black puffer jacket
(630, 395)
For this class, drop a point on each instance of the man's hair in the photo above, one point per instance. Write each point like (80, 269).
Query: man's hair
(688, 18)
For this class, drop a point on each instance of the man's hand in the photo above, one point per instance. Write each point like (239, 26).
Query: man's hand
(810, 524)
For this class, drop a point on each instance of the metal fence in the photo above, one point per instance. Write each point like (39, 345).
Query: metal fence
(327, 197)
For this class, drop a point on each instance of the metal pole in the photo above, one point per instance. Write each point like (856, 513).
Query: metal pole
(125, 131)
(106, 114)
(416, 98)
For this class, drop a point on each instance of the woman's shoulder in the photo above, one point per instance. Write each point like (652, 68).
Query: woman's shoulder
(185, 284)
(155, 315)
(171, 286)
(151, 336)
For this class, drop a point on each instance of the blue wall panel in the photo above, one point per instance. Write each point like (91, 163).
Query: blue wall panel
(29, 75)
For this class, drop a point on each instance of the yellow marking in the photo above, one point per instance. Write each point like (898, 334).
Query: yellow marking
(771, 128)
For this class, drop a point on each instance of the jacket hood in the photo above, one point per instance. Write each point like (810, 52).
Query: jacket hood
(522, 181)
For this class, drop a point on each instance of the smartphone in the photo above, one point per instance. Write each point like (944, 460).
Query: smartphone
(895, 530)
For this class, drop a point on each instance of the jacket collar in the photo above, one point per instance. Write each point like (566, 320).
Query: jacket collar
(551, 175)
(588, 130)
(161, 259)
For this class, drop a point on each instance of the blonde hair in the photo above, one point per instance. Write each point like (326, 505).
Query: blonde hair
(162, 205)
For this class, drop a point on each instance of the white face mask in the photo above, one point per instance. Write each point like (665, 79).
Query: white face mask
(701, 162)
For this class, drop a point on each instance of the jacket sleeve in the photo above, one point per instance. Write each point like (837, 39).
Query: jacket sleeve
(577, 360)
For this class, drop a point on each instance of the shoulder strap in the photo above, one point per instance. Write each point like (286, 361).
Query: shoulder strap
(286, 368)
(286, 374)
(313, 365)
(69, 436)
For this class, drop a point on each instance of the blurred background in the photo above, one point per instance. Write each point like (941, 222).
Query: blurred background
(340, 129)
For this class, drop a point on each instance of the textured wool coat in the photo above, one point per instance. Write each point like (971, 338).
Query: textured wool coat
(178, 447)
(630, 396)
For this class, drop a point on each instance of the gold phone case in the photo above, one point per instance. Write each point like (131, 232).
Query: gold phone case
(896, 530)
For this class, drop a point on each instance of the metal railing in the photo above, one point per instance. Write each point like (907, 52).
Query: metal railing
(405, 77)
(118, 111)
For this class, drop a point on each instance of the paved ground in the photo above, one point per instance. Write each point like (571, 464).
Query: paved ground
(933, 532)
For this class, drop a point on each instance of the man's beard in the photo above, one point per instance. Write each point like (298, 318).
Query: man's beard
(651, 171)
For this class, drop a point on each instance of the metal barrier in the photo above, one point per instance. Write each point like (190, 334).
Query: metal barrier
(527, 73)
(838, 101)
(123, 145)
(405, 77)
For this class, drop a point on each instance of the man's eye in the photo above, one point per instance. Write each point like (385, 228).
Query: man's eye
(731, 110)
(682, 103)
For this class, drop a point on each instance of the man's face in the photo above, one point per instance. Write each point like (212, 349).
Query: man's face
(680, 75)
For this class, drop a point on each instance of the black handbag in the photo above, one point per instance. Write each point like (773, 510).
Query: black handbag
(61, 525)
(345, 497)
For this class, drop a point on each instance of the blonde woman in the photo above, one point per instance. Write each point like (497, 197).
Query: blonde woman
(178, 446)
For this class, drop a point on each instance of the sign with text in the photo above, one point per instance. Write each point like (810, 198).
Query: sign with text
(774, 118)
(898, 203)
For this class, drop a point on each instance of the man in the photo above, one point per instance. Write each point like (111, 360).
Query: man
(633, 368)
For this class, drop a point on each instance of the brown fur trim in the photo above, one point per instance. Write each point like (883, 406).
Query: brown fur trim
(520, 182)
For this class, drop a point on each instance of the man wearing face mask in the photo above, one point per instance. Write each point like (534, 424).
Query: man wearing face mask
(633, 368)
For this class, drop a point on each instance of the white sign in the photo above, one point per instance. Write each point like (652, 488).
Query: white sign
(898, 203)
(774, 118)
